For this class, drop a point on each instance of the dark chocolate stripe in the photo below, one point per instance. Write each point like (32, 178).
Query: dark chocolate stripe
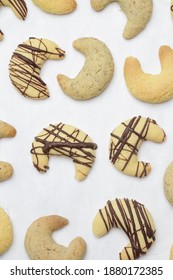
(39, 50)
(51, 145)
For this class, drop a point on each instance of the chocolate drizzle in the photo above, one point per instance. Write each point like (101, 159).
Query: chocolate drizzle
(18, 5)
(25, 66)
(39, 50)
(131, 216)
(51, 145)
(57, 140)
(122, 143)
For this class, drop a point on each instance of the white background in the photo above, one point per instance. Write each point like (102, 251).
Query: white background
(29, 195)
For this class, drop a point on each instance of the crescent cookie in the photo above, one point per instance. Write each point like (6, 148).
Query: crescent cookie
(134, 219)
(6, 169)
(168, 183)
(171, 253)
(126, 140)
(58, 7)
(25, 66)
(40, 245)
(64, 140)
(1, 35)
(6, 232)
(96, 73)
(148, 87)
(138, 14)
(18, 6)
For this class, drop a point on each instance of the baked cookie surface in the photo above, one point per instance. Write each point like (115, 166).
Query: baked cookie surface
(1, 35)
(6, 232)
(149, 87)
(171, 253)
(25, 66)
(134, 219)
(171, 8)
(59, 7)
(96, 73)
(168, 183)
(138, 14)
(64, 140)
(40, 245)
(126, 140)
(6, 169)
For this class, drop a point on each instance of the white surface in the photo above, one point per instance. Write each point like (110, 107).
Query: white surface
(29, 194)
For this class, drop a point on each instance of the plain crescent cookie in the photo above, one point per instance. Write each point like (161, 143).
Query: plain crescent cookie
(40, 245)
(151, 88)
(58, 7)
(96, 73)
(64, 140)
(25, 66)
(6, 169)
(138, 14)
(171, 253)
(134, 219)
(126, 140)
(168, 183)
(6, 232)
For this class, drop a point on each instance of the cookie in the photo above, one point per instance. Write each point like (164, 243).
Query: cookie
(171, 253)
(25, 66)
(40, 245)
(64, 140)
(126, 140)
(18, 7)
(6, 169)
(58, 7)
(134, 219)
(168, 183)
(1, 35)
(6, 232)
(96, 73)
(6, 130)
(149, 87)
(138, 14)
